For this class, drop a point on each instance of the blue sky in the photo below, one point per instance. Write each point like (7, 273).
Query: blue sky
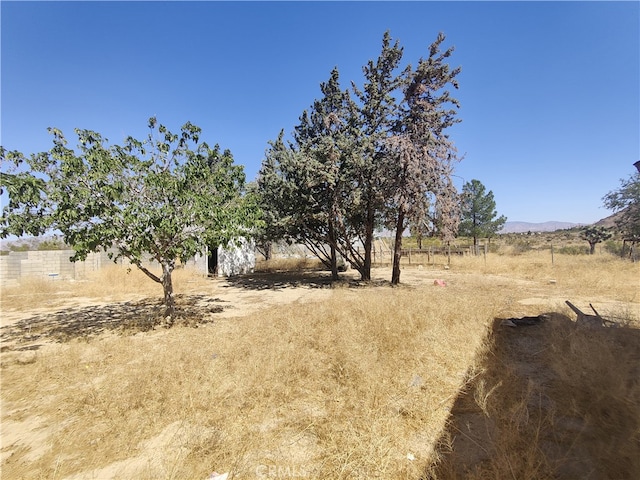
(549, 91)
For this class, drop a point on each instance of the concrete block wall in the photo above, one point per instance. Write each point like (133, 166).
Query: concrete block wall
(53, 264)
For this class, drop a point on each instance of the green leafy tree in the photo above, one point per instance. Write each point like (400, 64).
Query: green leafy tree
(626, 201)
(167, 197)
(594, 235)
(478, 211)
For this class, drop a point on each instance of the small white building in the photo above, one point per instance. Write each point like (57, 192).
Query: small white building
(237, 258)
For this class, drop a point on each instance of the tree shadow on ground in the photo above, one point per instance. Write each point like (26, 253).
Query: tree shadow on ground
(125, 317)
(550, 400)
(287, 279)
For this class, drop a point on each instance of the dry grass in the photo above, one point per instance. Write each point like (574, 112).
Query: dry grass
(555, 401)
(356, 386)
(330, 388)
(293, 264)
(592, 276)
(111, 284)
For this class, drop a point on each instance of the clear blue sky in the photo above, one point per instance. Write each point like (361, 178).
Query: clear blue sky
(549, 91)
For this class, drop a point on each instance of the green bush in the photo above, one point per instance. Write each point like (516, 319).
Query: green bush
(614, 247)
(573, 250)
(53, 244)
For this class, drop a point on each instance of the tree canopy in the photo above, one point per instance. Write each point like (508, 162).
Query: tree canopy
(626, 201)
(167, 197)
(479, 214)
(595, 234)
(366, 157)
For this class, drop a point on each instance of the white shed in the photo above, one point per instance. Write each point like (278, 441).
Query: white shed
(235, 259)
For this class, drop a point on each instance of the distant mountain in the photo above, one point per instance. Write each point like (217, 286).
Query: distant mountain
(524, 227)
(610, 221)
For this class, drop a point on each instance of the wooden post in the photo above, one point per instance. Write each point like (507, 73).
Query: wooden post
(552, 254)
(409, 255)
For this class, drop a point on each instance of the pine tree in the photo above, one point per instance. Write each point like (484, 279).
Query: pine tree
(422, 150)
(479, 212)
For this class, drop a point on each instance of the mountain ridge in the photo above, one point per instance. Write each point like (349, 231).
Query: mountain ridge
(550, 226)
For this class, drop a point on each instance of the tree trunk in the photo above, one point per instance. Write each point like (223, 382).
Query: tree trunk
(167, 286)
(368, 244)
(592, 248)
(334, 264)
(334, 255)
(268, 250)
(397, 252)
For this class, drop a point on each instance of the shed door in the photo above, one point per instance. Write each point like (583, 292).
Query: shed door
(212, 261)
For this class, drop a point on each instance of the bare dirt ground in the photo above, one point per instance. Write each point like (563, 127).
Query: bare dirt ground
(473, 432)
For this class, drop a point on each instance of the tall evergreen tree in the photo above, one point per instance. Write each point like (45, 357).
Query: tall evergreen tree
(423, 152)
(479, 214)
(324, 140)
(355, 164)
(377, 114)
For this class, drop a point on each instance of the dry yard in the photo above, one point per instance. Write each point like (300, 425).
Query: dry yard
(283, 375)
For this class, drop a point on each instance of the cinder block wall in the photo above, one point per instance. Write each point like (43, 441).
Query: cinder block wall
(54, 264)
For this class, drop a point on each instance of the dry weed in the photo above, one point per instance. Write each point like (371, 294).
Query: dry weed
(553, 401)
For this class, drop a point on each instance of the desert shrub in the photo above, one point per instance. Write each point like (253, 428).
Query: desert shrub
(53, 244)
(493, 248)
(522, 246)
(573, 250)
(613, 247)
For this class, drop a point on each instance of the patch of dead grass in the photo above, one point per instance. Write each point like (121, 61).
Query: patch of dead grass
(359, 385)
(112, 283)
(551, 401)
(342, 389)
(293, 264)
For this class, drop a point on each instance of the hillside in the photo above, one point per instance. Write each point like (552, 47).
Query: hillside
(524, 227)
